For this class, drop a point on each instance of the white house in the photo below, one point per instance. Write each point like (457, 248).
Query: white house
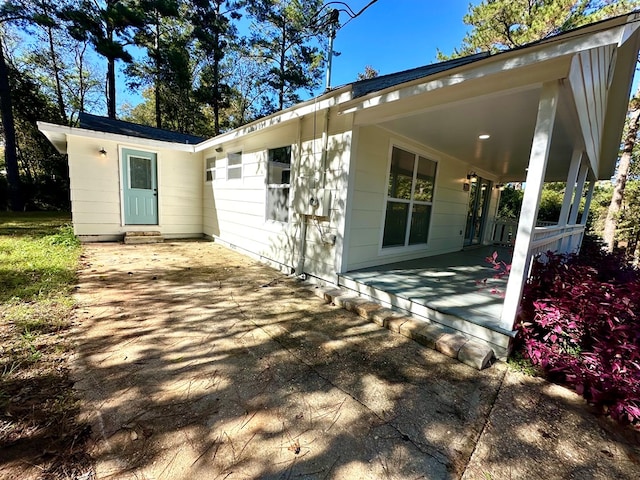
(368, 183)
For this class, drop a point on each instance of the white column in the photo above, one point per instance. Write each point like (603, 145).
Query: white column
(538, 159)
(572, 177)
(577, 241)
(587, 203)
(582, 177)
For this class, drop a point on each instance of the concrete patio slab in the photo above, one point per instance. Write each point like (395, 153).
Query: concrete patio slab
(196, 362)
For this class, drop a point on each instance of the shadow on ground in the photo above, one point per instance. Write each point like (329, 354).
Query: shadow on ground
(196, 362)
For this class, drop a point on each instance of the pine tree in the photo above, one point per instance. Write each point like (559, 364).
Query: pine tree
(622, 173)
(108, 27)
(504, 24)
(214, 31)
(151, 35)
(282, 37)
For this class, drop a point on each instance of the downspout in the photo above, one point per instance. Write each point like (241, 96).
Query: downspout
(299, 270)
(325, 147)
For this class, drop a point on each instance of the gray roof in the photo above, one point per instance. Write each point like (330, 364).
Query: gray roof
(363, 87)
(120, 127)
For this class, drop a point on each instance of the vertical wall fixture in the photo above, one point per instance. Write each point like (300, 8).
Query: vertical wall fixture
(472, 177)
(328, 17)
(102, 152)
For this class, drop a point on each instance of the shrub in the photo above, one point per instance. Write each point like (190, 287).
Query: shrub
(578, 322)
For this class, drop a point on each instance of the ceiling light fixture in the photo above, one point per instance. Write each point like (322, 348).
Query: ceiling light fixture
(484, 136)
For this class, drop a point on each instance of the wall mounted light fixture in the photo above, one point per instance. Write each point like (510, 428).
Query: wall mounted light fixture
(500, 186)
(219, 148)
(472, 177)
(102, 152)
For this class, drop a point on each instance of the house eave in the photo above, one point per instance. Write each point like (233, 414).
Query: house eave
(607, 32)
(620, 88)
(327, 100)
(58, 134)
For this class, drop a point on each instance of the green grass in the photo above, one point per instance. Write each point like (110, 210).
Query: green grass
(523, 365)
(38, 261)
(39, 257)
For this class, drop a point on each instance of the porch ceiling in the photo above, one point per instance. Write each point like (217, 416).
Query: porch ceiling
(509, 117)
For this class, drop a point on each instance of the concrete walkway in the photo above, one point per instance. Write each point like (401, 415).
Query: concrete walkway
(196, 362)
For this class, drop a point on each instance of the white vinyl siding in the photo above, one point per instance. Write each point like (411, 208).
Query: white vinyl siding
(237, 213)
(589, 84)
(96, 189)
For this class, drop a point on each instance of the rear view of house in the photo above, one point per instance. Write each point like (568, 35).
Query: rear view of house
(371, 185)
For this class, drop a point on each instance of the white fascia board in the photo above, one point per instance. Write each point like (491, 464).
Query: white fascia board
(336, 97)
(57, 139)
(501, 62)
(630, 28)
(56, 132)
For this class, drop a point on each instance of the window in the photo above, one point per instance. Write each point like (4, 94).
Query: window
(409, 199)
(140, 172)
(278, 178)
(234, 166)
(210, 168)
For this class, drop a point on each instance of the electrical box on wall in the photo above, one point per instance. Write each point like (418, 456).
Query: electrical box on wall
(319, 203)
(308, 201)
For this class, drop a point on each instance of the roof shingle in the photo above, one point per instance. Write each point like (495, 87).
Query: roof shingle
(120, 127)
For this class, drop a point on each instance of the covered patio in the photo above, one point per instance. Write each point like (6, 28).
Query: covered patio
(455, 289)
(551, 112)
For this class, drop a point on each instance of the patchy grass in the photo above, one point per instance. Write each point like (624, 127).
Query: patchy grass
(518, 363)
(39, 434)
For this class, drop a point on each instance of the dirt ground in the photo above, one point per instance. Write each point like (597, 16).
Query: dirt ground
(196, 362)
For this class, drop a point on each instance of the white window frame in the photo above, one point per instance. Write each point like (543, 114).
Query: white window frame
(406, 248)
(210, 169)
(231, 167)
(276, 186)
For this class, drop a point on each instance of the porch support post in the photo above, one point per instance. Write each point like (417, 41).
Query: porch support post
(587, 203)
(538, 159)
(572, 177)
(582, 177)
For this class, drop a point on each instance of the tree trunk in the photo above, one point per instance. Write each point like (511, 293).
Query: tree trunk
(16, 202)
(111, 88)
(622, 173)
(283, 64)
(216, 72)
(80, 63)
(216, 88)
(156, 66)
(56, 74)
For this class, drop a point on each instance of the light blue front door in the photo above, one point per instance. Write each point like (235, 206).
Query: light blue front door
(140, 187)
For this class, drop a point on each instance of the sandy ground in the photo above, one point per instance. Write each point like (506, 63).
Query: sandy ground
(196, 362)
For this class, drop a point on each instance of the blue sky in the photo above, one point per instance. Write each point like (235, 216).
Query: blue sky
(395, 35)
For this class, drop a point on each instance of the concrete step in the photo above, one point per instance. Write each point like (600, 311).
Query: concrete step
(469, 349)
(136, 238)
(476, 327)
